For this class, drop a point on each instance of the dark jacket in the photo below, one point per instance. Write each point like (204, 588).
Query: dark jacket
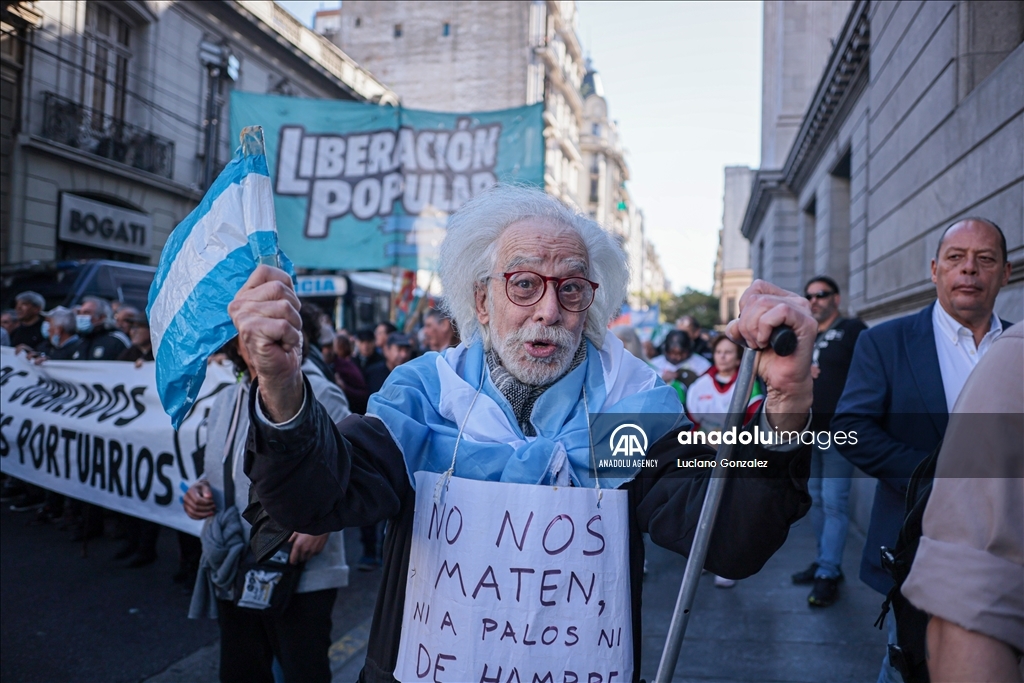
(136, 353)
(372, 359)
(319, 477)
(895, 402)
(29, 335)
(354, 384)
(74, 348)
(105, 343)
(702, 348)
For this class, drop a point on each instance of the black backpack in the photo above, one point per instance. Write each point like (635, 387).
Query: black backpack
(908, 655)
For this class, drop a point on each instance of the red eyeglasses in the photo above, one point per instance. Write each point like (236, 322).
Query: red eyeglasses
(525, 288)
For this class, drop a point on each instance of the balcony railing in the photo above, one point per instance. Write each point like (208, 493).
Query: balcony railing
(74, 125)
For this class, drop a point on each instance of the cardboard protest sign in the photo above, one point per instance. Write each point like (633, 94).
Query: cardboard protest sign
(95, 431)
(517, 582)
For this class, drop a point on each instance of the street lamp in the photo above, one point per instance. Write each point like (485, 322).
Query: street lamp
(220, 63)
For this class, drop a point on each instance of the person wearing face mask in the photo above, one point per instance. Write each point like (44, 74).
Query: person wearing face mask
(96, 326)
(101, 341)
(62, 340)
(62, 343)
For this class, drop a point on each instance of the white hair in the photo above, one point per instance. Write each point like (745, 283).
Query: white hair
(64, 319)
(469, 252)
(34, 298)
(103, 308)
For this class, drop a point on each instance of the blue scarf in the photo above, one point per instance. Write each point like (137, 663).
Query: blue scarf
(424, 403)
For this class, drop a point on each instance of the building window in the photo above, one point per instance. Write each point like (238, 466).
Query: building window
(593, 190)
(359, 22)
(398, 30)
(596, 129)
(107, 53)
(446, 30)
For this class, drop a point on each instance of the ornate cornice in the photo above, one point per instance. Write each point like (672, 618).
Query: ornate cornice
(766, 185)
(842, 81)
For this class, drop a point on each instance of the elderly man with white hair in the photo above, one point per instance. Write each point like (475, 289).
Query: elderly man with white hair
(62, 342)
(96, 326)
(494, 436)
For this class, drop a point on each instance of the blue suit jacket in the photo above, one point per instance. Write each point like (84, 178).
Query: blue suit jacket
(895, 402)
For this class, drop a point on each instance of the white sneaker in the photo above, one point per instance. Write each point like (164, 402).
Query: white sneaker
(722, 582)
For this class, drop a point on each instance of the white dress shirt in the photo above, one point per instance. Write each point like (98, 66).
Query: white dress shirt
(957, 352)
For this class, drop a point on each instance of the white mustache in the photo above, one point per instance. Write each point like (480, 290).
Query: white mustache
(558, 335)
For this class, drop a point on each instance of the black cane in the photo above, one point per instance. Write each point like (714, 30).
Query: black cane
(783, 342)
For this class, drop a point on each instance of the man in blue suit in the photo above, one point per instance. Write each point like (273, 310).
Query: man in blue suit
(907, 373)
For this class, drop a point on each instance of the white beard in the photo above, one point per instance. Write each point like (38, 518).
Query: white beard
(536, 371)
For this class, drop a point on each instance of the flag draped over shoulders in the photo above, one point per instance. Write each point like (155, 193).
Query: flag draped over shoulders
(425, 402)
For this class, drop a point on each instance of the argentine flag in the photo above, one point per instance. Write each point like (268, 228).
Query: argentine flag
(204, 263)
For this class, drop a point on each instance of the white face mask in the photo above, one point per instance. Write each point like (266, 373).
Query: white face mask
(83, 323)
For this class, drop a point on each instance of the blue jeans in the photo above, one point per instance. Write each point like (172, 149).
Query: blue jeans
(888, 674)
(829, 486)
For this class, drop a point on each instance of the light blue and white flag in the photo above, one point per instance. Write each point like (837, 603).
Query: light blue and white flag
(204, 263)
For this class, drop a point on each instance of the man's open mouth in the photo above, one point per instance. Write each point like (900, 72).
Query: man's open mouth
(541, 348)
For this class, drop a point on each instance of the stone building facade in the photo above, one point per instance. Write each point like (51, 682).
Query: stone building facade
(916, 119)
(480, 56)
(476, 56)
(732, 264)
(107, 112)
(604, 196)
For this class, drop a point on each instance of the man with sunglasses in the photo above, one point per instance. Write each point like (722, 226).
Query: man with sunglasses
(531, 286)
(829, 483)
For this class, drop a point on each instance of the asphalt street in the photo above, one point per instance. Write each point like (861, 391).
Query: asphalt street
(65, 618)
(68, 618)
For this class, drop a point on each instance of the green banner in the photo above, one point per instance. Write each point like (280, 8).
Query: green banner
(365, 187)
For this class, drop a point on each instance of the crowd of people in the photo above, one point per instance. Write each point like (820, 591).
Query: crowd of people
(897, 385)
(96, 329)
(344, 369)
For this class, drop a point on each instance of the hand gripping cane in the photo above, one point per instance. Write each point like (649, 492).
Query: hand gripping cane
(783, 342)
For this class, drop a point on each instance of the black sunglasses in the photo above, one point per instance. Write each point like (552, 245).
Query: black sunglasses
(818, 295)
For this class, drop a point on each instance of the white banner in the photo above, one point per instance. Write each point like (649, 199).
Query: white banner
(95, 431)
(509, 582)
